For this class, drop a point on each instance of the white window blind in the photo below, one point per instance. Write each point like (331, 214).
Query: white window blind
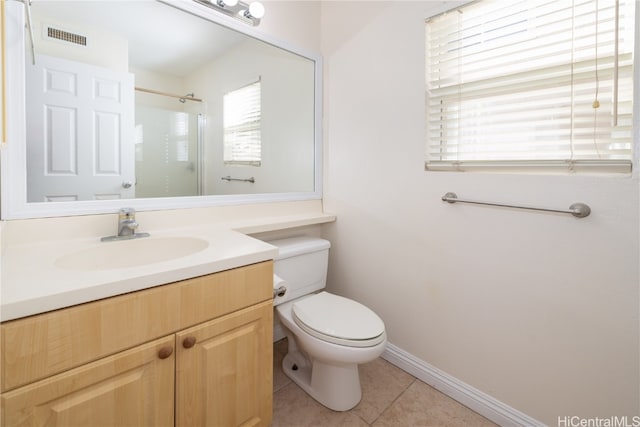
(241, 123)
(513, 85)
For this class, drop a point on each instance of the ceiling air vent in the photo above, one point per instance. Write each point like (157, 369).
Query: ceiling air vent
(57, 34)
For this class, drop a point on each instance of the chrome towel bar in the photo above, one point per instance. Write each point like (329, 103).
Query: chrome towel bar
(228, 178)
(579, 210)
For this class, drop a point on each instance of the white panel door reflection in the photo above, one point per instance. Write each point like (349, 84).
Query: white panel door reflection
(79, 132)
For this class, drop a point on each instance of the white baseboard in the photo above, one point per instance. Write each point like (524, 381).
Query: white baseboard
(470, 397)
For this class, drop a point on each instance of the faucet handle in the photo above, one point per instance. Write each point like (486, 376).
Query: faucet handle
(127, 213)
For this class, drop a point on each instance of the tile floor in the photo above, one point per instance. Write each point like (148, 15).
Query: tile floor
(390, 397)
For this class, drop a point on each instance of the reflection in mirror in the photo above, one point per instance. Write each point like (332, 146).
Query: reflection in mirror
(129, 99)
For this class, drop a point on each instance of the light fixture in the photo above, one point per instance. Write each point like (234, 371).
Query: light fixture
(226, 3)
(256, 10)
(248, 13)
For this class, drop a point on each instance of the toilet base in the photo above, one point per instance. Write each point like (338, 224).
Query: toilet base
(335, 386)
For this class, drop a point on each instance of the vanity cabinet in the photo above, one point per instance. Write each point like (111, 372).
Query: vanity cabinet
(191, 353)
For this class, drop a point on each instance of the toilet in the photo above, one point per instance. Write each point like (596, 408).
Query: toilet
(328, 335)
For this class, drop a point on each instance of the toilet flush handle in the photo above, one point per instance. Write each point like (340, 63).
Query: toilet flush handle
(279, 292)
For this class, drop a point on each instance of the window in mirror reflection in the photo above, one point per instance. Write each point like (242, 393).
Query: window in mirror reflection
(241, 126)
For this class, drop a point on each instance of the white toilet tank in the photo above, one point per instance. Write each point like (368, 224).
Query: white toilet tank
(302, 263)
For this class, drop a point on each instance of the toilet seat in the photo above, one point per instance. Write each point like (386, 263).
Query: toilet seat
(338, 320)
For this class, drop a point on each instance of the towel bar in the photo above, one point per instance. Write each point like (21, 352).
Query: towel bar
(579, 210)
(228, 178)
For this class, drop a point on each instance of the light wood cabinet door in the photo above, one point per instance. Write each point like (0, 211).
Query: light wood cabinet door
(132, 388)
(223, 370)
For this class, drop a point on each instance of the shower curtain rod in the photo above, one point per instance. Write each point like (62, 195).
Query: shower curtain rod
(157, 92)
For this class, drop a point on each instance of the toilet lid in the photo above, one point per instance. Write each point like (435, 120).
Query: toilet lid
(339, 320)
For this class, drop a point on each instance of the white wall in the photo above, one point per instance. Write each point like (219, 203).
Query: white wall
(104, 49)
(295, 22)
(538, 310)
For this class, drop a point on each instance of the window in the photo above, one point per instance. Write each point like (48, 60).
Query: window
(241, 126)
(179, 131)
(531, 84)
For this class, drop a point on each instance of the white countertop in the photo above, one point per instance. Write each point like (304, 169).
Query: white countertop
(32, 283)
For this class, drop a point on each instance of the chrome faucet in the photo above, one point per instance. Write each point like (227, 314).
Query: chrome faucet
(127, 226)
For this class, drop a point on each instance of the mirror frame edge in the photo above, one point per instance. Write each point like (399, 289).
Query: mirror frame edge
(13, 189)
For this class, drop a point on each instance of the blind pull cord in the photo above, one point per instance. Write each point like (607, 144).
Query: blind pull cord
(615, 65)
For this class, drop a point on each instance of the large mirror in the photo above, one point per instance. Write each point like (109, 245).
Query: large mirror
(155, 105)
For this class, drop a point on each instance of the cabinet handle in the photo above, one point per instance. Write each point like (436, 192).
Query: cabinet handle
(189, 342)
(165, 352)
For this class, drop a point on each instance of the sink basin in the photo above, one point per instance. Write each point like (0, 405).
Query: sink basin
(131, 253)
